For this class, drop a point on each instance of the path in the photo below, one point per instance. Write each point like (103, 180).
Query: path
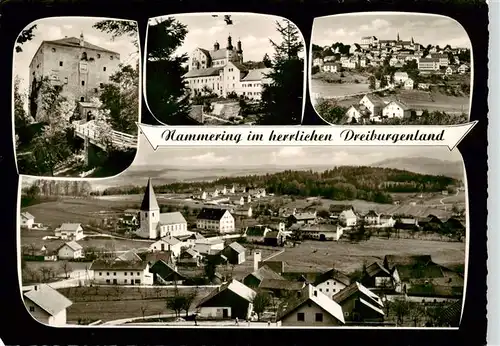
(91, 131)
(442, 199)
(217, 118)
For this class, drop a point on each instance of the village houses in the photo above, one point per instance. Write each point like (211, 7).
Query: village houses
(121, 272)
(27, 220)
(70, 251)
(46, 305)
(215, 219)
(73, 231)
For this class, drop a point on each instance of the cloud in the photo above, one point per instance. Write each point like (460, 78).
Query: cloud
(53, 32)
(289, 152)
(205, 158)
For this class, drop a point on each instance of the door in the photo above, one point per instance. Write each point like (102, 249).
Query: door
(322, 237)
(225, 313)
(115, 281)
(132, 281)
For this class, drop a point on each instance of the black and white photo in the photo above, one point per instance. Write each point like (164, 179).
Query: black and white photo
(224, 69)
(76, 96)
(390, 68)
(256, 237)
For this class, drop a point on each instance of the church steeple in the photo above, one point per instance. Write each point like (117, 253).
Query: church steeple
(229, 42)
(398, 37)
(412, 42)
(149, 201)
(81, 40)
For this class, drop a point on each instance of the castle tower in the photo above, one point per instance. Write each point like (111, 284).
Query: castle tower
(216, 45)
(81, 40)
(150, 212)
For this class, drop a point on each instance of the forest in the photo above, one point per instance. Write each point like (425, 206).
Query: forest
(339, 183)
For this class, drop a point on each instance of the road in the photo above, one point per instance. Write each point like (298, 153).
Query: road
(442, 199)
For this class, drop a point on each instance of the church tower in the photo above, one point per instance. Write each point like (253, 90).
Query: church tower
(229, 43)
(239, 52)
(398, 38)
(150, 213)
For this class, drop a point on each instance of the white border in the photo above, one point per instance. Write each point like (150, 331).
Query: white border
(305, 70)
(394, 14)
(96, 19)
(121, 326)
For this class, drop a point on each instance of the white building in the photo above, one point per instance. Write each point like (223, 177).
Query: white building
(332, 67)
(400, 77)
(428, 64)
(70, 251)
(73, 231)
(47, 305)
(27, 220)
(409, 84)
(348, 218)
(154, 224)
(374, 104)
(396, 109)
(215, 219)
(332, 282)
(209, 246)
(121, 273)
(167, 243)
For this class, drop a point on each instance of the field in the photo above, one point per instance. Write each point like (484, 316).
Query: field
(348, 257)
(429, 204)
(420, 100)
(112, 303)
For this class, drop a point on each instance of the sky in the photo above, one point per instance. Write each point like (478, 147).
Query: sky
(57, 28)
(425, 29)
(217, 157)
(254, 31)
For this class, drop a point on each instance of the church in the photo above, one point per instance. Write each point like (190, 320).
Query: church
(154, 224)
(222, 71)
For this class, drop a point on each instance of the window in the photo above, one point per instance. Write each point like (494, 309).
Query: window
(82, 99)
(107, 281)
(111, 57)
(100, 273)
(131, 273)
(98, 56)
(319, 317)
(301, 317)
(328, 282)
(53, 50)
(137, 281)
(38, 66)
(321, 290)
(346, 314)
(334, 282)
(107, 274)
(32, 309)
(96, 90)
(328, 290)
(83, 82)
(114, 273)
(138, 273)
(104, 68)
(125, 273)
(66, 80)
(60, 63)
(125, 281)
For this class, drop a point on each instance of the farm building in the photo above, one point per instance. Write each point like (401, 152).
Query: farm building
(70, 250)
(235, 253)
(228, 301)
(376, 276)
(27, 220)
(166, 274)
(322, 232)
(121, 272)
(311, 308)
(359, 304)
(215, 219)
(47, 305)
(331, 282)
(280, 287)
(302, 218)
(167, 243)
(209, 246)
(73, 231)
(255, 278)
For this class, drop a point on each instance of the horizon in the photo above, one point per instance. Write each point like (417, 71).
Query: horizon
(350, 28)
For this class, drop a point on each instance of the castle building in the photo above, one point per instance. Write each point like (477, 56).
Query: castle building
(153, 223)
(78, 67)
(222, 71)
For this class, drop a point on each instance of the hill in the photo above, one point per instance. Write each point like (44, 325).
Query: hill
(425, 165)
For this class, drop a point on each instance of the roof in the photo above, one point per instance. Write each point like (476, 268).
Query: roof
(118, 265)
(419, 271)
(281, 284)
(49, 299)
(435, 291)
(75, 42)
(256, 231)
(335, 275)
(73, 245)
(371, 306)
(391, 260)
(376, 100)
(428, 60)
(153, 257)
(399, 104)
(204, 72)
(310, 293)
(400, 74)
(452, 313)
(210, 241)
(88, 104)
(70, 227)
(265, 272)
(172, 218)
(27, 215)
(237, 247)
(211, 214)
(352, 289)
(192, 252)
(234, 286)
(340, 207)
(272, 234)
(257, 74)
(170, 240)
(375, 268)
(304, 216)
(149, 201)
(129, 256)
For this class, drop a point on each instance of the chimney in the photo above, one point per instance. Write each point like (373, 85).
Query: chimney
(257, 257)
(81, 39)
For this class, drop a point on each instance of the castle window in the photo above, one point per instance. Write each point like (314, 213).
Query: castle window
(83, 82)
(98, 56)
(82, 99)
(60, 63)
(84, 56)
(101, 85)
(111, 57)
(53, 50)
(104, 68)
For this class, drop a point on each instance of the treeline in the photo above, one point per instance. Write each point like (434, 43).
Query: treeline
(340, 183)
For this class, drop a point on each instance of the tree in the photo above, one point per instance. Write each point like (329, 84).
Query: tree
(210, 269)
(26, 35)
(188, 301)
(401, 308)
(168, 98)
(118, 28)
(416, 313)
(267, 61)
(260, 302)
(281, 100)
(20, 115)
(176, 303)
(330, 111)
(66, 268)
(121, 99)
(372, 82)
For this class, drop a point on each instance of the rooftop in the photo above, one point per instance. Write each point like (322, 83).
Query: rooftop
(49, 299)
